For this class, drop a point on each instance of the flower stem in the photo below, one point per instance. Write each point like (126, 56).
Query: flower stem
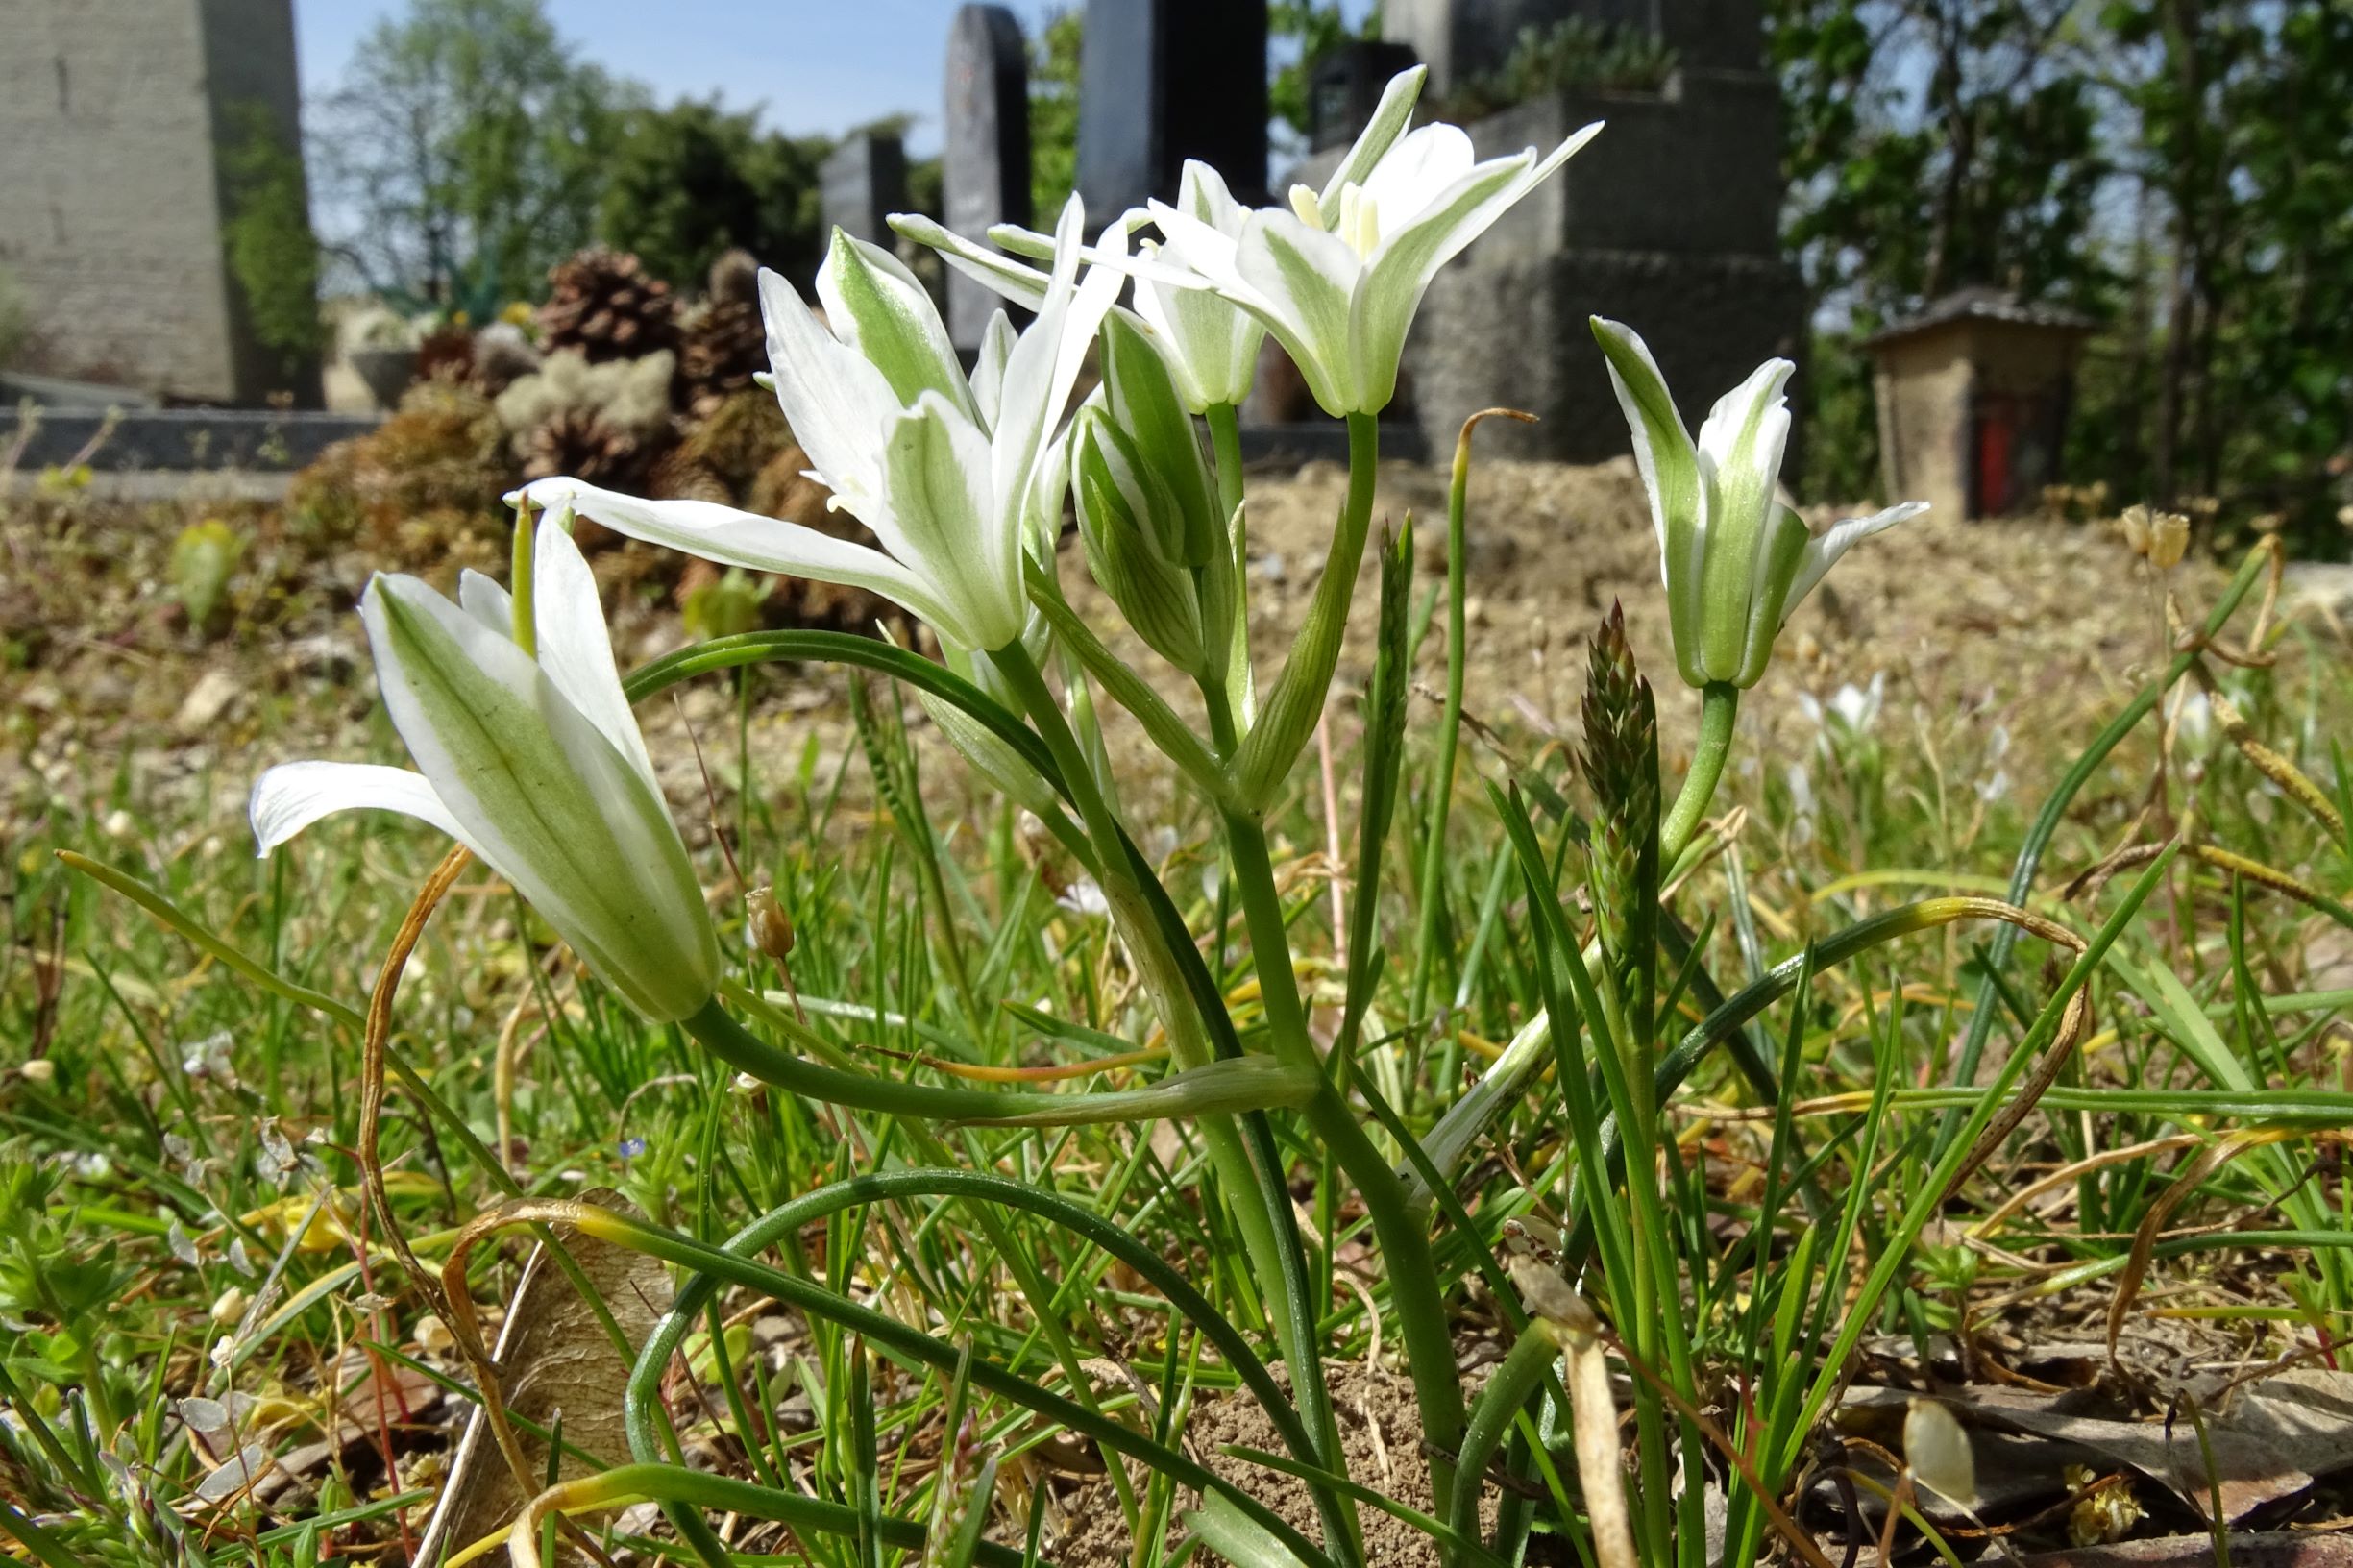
(1226, 442)
(1719, 708)
(1256, 1200)
(1403, 1237)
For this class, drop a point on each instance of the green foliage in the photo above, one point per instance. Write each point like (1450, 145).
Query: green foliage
(272, 252)
(1842, 428)
(2180, 171)
(470, 143)
(1315, 27)
(1053, 113)
(691, 181)
(1576, 52)
(204, 557)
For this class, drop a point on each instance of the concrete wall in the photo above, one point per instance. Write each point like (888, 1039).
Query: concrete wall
(1924, 386)
(1460, 38)
(111, 112)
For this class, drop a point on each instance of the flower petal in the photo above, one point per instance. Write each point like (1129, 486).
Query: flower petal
(575, 648)
(1417, 172)
(1015, 280)
(1740, 443)
(293, 794)
(936, 467)
(486, 601)
(1823, 551)
(876, 305)
(1309, 278)
(834, 400)
(1202, 193)
(739, 538)
(997, 341)
(1670, 468)
(1405, 263)
(544, 796)
(1388, 122)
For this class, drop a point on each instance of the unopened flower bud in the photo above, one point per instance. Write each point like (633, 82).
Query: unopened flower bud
(1131, 527)
(768, 926)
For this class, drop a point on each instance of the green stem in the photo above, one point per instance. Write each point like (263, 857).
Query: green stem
(1449, 732)
(1403, 1240)
(1287, 717)
(1226, 442)
(1257, 1200)
(1719, 708)
(1513, 1383)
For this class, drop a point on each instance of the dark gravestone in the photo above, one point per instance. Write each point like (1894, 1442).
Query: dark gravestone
(1162, 81)
(1345, 85)
(984, 166)
(1464, 40)
(862, 183)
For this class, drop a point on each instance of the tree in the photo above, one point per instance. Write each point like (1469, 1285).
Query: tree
(1053, 114)
(691, 181)
(272, 252)
(466, 151)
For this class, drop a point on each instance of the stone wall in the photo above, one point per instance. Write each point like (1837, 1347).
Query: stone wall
(112, 114)
(1923, 388)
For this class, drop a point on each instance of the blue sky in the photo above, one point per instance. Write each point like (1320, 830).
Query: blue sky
(814, 65)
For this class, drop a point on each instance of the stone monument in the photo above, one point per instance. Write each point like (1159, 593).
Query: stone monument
(1162, 81)
(1669, 221)
(862, 183)
(117, 120)
(984, 165)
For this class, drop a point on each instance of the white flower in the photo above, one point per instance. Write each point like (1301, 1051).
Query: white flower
(534, 764)
(956, 477)
(1735, 560)
(1853, 709)
(1212, 344)
(1337, 274)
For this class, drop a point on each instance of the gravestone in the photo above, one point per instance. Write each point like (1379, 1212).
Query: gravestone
(1668, 221)
(984, 166)
(1345, 86)
(124, 125)
(862, 183)
(1162, 81)
(1461, 40)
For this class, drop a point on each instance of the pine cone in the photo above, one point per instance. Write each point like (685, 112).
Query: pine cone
(725, 344)
(604, 304)
(735, 277)
(579, 444)
(679, 475)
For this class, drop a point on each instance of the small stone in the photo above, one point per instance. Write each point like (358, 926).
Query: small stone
(205, 702)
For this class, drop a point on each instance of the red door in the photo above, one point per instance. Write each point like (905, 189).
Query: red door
(1997, 425)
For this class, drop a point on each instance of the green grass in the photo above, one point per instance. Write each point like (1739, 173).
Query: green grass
(179, 1219)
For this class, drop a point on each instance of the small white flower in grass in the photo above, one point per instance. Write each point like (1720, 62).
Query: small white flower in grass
(1336, 274)
(1735, 560)
(1852, 711)
(535, 764)
(957, 476)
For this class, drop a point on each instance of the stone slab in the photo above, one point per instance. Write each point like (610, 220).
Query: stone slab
(985, 160)
(187, 440)
(1162, 81)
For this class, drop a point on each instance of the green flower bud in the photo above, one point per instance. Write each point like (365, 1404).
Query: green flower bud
(1129, 522)
(1143, 400)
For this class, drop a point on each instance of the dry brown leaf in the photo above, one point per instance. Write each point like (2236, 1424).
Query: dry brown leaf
(2265, 1551)
(554, 1357)
(2269, 1439)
